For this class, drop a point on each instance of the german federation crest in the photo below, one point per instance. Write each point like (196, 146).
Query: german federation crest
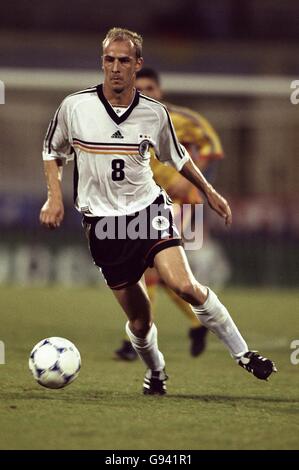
(144, 147)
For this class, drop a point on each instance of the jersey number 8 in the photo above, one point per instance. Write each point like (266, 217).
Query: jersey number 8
(118, 173)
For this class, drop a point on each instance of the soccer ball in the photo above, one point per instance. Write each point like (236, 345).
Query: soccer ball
(54, 362)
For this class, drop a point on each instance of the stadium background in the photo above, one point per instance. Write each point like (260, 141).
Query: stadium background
(240, 62)
(233, 62)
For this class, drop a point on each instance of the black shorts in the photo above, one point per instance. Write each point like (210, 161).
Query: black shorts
(124, 247)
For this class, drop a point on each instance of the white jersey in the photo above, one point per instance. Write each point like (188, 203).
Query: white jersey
(112, 174)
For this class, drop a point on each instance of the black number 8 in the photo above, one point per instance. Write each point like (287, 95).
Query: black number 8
(118, 173)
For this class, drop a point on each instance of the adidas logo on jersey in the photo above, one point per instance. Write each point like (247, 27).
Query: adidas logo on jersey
(117, 135)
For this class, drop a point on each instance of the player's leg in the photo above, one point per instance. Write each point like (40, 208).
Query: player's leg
(175, 272)
(151, 279)
(183, 306)
(126, 352)
(197, 332)
(130, 291)
(143, 335)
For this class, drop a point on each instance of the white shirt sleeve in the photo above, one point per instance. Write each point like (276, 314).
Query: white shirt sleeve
(56, 143)
(168, 149)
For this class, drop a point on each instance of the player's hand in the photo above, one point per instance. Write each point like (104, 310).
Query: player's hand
(219, 205)
(52, 212)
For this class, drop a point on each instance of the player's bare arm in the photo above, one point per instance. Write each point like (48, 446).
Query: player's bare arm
(215, 200)
(180, 187)
(52, 212)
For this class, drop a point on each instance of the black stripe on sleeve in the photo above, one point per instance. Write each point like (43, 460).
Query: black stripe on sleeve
(87, 90)
(178, 148)
(55, 120)
(75, 178)
(45, 143)
(54, 125)
(48, 131)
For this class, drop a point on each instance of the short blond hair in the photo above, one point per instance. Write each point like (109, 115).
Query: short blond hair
(121, 34)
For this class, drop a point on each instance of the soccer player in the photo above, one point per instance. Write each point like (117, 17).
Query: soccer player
(203, 144)
(109, 129)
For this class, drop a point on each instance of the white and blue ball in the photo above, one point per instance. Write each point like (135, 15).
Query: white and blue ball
(55, 362)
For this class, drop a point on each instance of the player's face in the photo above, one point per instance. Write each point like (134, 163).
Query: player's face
(149, 87)
(120, 65)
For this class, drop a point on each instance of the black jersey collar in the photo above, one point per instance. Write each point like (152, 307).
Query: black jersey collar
(109, 109)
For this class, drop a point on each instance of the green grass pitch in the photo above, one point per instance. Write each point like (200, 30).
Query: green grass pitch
(211, 403)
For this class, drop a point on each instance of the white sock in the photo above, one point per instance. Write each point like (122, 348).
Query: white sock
(214, 315)
(147, 348)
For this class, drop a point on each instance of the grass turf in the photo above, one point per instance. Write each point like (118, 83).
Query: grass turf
(211, 402)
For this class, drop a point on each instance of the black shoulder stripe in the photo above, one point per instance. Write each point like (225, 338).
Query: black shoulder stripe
(179, 149)
(151, 99)
(48, 133)
(53, 125)
(176, 144)
(53, 128)
(75, 179)
(87, 90)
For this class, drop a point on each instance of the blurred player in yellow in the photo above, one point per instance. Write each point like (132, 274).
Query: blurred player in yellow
(203, 145)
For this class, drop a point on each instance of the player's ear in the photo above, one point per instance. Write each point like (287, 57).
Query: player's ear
(139, 64)
(102, 63)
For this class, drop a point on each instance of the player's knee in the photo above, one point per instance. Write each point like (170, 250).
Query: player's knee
(186, 290)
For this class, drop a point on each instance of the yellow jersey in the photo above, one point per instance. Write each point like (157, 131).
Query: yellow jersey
(202, 142)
